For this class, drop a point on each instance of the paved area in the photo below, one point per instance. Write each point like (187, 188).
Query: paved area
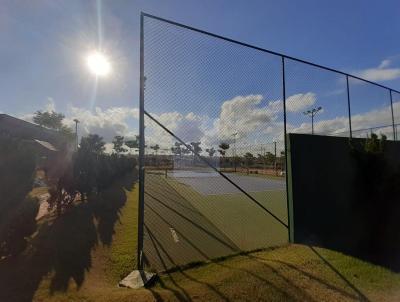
(44, 206)
(217, 185)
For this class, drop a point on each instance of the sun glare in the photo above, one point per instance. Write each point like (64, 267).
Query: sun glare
(98, 64)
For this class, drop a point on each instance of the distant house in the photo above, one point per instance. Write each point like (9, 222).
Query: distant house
(53, 149)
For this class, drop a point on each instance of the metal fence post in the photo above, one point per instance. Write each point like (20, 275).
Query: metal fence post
(393, 123)
(288, 204)
(348, 105)
(141, 152)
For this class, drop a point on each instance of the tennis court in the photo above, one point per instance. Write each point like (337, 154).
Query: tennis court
(211, 183)
(196, 216)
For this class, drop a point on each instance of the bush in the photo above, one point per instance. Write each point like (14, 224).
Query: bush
(17, 212)
(23, 224)
(17, 168)
(88, 173)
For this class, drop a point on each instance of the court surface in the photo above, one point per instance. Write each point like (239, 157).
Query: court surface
(183, 225)
(214, 184)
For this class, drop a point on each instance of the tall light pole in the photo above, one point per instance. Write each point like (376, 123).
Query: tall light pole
(276, 172)
(76, 133)
(312, 113)
(234, 150)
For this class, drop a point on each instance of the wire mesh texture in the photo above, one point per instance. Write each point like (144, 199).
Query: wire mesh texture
(371, 110)
(316, 100)
(216, 113)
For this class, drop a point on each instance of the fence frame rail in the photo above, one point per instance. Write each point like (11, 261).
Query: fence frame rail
(284, 57)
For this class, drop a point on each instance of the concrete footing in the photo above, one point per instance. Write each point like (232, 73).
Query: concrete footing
(137, 279)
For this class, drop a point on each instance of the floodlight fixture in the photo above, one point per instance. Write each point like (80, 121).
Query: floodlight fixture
(312, 113)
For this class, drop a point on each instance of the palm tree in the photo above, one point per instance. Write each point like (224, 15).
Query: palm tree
(211, 151)
(196, 149)
(223, 147)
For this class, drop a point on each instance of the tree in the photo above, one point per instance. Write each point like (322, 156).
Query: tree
(185, 150)
(93, 143)
(223, 147)
(119, 144)
(133, 143)
(51, 120)
(270, 158)
(374, 145)
(196, 149)
(156, 147)
(67, 131)
(249, 159)
(211, 151)
(176, 149)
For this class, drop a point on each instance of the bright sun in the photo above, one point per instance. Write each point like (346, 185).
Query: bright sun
(98, 64)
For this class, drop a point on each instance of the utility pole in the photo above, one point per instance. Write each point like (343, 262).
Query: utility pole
(312, 113)
(263, 158)
(76, 134)
(234, 150)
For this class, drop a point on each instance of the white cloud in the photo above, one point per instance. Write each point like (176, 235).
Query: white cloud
(294, 103)
(26, 117)
(252, 118)
(337, 125)
(189, 128)
(106, 123)
(299, 102)
(331, 126)
(50, 106)
(380, 73)
(244, 115)
(385, 63)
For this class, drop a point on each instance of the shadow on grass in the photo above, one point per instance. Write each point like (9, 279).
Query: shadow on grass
(172, 219)
(63, 246)
(180, 293)
(275, 278)
(360, 295)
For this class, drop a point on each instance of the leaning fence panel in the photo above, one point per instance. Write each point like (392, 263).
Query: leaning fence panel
(371, 110)
(316, 100)
(214, 181)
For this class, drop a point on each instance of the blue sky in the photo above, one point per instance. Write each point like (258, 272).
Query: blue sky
(43, 45)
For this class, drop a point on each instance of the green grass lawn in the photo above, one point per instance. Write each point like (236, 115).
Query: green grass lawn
(291, 273)
(287, 273)
(124, 247)
(245, 223)
(76, 250)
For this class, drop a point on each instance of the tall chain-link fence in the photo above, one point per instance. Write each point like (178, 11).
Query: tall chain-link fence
(214, 118)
